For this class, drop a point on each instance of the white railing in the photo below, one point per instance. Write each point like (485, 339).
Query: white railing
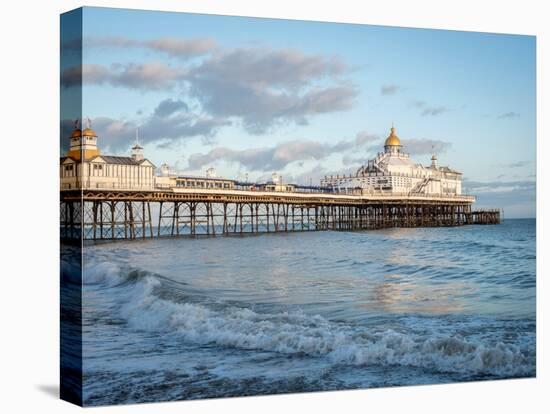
(338, 193)
(106, 186)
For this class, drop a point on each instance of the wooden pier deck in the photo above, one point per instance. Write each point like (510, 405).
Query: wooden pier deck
(100, 214)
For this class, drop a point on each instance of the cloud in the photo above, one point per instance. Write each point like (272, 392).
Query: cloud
(180, 124)
(509, 115)
(267, 87)
(361, 139)
(65, 129)
(260, 87)
(266, 158)
(75, 75)
(174, 46)
(426, 146)
(434, 110)
(364, 137)
(516, 164)
(518, 203)
(389, 89)
(498, 186)
(168, 123)
(147, 76)
(420, 146)
(354, 160)
(169, 106)
(279, 156)
(429, 110)
(516, 198)
(115, 135)
(312, 176)
(269, 67)
(183, 47)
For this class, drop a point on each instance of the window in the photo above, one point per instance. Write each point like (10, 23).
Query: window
(68, 167)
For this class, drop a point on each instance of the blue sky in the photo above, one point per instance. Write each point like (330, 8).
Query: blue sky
(253, 96)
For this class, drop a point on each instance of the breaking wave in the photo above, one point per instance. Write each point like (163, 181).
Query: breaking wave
(145, 306)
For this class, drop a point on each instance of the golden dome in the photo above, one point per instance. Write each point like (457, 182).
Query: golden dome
(393, 139)
(76, 133)
(89, 132)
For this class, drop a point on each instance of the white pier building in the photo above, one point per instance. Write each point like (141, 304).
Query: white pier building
(85, 167)
(394, 172)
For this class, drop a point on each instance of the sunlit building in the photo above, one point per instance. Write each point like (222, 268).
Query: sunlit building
(394, 171)
(167, 180)
(85, 167)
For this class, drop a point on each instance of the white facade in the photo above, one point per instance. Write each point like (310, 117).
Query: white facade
(393, 171)
(85, 167)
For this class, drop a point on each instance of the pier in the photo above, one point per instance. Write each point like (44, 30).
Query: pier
(111, 197)
(99, 214)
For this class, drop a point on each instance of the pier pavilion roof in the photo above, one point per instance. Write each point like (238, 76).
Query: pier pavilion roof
(115, 159)
(405, 162)
(111, 159)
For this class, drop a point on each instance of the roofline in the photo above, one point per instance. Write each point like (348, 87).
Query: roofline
(121, 156)
(198, 177)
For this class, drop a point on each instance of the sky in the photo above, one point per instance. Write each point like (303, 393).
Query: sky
(252, 96)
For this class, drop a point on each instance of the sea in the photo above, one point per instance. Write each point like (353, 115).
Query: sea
(190, 318)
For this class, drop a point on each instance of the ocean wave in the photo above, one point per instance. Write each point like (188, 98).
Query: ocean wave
(103, 272)
(112, 275)
(312, 335)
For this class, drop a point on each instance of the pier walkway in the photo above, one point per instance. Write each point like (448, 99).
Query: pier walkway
(108, 214)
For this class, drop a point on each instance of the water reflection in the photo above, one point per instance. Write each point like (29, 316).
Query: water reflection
(397, 271)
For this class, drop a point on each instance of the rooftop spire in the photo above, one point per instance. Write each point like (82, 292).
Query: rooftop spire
(137, 146)
(137, 150)
(434, 155)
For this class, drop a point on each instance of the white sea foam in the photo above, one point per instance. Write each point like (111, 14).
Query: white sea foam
(101, 272)
(299, 333)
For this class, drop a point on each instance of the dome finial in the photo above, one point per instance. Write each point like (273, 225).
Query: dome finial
(393, 139)
(392, 130)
